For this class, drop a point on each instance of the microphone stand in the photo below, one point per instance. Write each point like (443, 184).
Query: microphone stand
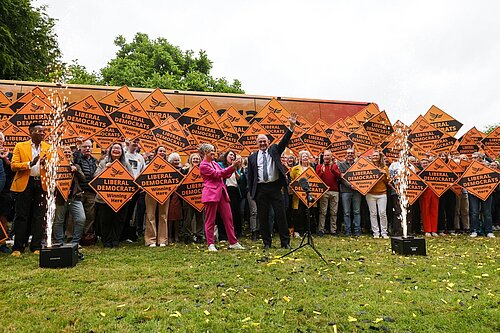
(307, 238)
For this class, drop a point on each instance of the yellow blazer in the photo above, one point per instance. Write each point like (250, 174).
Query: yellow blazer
(20, 163)
(294, 173)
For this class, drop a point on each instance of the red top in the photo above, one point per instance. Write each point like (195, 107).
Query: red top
(330, 176)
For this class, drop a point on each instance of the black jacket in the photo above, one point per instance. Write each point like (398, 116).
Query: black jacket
(275, 151)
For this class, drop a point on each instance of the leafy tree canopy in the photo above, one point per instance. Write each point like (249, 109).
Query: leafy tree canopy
(28, 43)
(154, 63)
(490, 128)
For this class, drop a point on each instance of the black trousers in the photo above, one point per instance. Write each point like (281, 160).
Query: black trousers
(110, 223)
(269, 195)
(31, 205)
(446, 213)
(234, 201)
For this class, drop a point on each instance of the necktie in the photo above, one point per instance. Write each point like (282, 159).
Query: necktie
(265, 173)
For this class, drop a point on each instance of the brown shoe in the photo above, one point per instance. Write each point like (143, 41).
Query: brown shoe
(16, 253)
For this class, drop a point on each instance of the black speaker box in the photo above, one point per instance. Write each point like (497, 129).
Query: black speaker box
(58, 257)
(408, 246)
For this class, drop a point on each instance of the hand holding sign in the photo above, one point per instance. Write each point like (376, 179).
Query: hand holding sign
(293, 120)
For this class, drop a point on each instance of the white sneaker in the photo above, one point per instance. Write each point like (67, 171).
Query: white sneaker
(212, 248)
(376, 236)
(428, 234)
(490, 235)
(236, 246)
(442, 234)
(385, 237)
(296, 234)
(434, 234)
(163, 245)
(473, 234)
(152, 245)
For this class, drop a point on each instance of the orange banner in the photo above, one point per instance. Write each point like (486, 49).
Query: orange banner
(14, 135)
(363, 175)
(424, 135)
(190, 189)
(171, 135)
(34, 110)
(480, 180)
(5, 111)
(296, 144)
(361, 140)
(230, 137)
(64, 175)
(132, 120)
(316, 139)
(378, 127)
(249, 138)
(206, 130)
(147, 141)
(272, 107)
(237, 120)
(274, 125)
(159, 107)
(86, 117)
(438, 176)
(316, 185)
(108, 136)
(159, 179)
(198, 111)
(35, 92)
(116, 99)
(339, 144)
(366, 113)
(442, 121)
(115, 185)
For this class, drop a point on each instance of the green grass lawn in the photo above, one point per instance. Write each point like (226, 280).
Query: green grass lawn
(184, 288)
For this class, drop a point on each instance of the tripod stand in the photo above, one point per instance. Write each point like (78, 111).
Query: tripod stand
(307, 239)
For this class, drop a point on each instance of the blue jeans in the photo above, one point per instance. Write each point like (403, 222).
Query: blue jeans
(353, 198)
(76, 210)
(476, 206)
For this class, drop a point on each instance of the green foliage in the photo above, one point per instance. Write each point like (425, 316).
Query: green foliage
(183, 288)
(157, 63)
(78, 74)
(490, 128)
(28, 43)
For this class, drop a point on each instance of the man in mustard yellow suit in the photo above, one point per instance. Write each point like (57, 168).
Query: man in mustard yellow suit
(28, 162)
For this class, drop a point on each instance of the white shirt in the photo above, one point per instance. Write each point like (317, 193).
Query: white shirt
(136, 162)
(35, 151)
(272, 170)
(231, 181)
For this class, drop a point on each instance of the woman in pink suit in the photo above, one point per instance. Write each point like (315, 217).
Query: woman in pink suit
(214, 196)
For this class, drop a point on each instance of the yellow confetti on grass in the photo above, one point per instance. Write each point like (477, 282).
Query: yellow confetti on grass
(287, 299)
(147, 309)
(444, 301)
(351, 319)
(317, 313)
(378, 320)
(102, 314)
(206, 312)
(120, 306)
(176, 314)
(245, 320)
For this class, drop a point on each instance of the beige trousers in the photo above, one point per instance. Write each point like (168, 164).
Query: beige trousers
(153, 235)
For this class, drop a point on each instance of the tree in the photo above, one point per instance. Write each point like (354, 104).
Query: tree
(490, 128)
(28, 43)
(155, 64)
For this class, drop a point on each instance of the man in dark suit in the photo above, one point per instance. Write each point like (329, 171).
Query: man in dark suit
(266, 179)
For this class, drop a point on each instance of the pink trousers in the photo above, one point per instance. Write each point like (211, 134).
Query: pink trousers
(224, 209)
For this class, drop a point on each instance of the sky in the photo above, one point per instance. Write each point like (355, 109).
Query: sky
(403, 55)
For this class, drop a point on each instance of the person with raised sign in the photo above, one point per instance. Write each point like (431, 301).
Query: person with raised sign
(73, 204)
(193, 219)
(329, 173)
(214, 196)
(461, 220)
(28, 161)
(266, 180)
(111, 223)
(154, 235)
(6, 201)
(299, 208)
(429, 204)
(376, 198)
(483, 207)
(350, 197)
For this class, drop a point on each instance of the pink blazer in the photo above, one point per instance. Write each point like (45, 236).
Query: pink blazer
(213, 181)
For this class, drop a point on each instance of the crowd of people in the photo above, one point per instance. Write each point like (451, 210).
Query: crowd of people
(242, 198)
